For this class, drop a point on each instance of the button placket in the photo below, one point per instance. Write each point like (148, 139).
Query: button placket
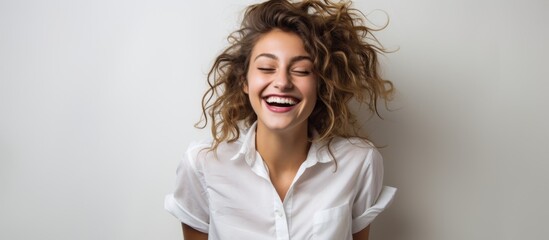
(281, 223)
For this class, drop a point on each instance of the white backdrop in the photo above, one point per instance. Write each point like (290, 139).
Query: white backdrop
(98, 101)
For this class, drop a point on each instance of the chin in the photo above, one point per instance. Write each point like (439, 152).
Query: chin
(281, 126)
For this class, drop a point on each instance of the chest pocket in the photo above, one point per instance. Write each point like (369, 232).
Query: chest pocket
(333, 223)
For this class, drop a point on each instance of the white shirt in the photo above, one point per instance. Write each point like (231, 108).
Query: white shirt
(230, 196)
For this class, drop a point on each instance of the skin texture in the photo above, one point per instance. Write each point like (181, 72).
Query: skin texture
(363, 234)
(280, 66)
(190, 233)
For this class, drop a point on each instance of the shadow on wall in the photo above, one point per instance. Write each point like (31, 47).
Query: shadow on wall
(400, 135)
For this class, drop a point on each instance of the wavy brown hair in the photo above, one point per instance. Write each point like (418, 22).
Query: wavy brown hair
(344, 53)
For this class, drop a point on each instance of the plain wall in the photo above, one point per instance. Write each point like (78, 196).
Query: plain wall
(98, 101)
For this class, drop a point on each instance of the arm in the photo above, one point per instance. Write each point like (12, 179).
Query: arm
(190, 233)
(362, 234)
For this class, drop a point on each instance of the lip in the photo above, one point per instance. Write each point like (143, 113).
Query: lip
(277, 109)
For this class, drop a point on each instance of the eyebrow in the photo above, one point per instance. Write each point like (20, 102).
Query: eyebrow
(292, 61)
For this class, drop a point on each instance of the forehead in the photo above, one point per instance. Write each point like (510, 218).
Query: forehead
(279, 43)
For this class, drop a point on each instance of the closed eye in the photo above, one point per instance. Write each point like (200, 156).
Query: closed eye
(301, 73)
(266, 69)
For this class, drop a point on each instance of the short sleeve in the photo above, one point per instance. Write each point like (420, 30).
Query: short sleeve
(372, 197)
(189, 201)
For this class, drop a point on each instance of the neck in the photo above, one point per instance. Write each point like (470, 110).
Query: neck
(282, 151)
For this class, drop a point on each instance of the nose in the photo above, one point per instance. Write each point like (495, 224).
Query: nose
(283, 81)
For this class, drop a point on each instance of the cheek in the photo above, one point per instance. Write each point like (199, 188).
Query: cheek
(254, 84)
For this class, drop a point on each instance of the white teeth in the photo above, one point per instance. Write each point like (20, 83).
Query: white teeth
(281, 100)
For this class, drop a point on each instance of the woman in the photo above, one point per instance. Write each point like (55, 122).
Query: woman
(286, 161)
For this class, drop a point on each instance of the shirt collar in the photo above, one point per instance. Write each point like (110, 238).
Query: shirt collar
(247, 149)
(318, 153)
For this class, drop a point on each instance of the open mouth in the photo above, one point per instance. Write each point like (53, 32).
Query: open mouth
(281, 101)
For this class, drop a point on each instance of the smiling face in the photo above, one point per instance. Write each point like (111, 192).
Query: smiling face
(281, 85)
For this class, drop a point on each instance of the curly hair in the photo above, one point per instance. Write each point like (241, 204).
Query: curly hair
(344, 53)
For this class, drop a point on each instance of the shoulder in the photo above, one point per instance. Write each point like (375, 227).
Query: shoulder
(355, 151)
(352, 142)
(198, 151)
(354, 146)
